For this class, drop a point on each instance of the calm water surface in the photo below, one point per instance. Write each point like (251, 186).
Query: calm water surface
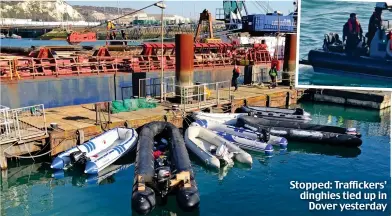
(262, 189)
(321, 17)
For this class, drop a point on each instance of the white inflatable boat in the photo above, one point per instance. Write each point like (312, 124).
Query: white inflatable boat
(99, 152)
(211, 148)
(215, 124)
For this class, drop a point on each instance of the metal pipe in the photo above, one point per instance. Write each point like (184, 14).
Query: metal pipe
(162, 93)
(290, 54)
(184, 59)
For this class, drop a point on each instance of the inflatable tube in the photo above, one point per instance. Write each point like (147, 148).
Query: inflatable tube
(246, 143)
(126, 141)
(278, 114)
(305, 126)
(342, 62)
(144, 188)
(222, 118)
(91, 148)
(199, 139)
(306, 133)
(241, 132)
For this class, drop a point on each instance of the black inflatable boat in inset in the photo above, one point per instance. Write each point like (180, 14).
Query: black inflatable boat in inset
(354, 64)
(177, 178)
(304, 132)
(297, 114)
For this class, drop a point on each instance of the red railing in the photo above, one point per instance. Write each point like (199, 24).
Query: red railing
(19, 67)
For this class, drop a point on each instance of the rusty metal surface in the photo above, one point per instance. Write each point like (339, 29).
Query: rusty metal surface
(184, 59)
(290, 52)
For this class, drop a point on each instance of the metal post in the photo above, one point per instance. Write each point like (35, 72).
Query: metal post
(217, 93)
(162, 55)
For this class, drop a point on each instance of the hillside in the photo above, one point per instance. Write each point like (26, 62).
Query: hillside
(55, 10)
(58, 10)
(93, 13)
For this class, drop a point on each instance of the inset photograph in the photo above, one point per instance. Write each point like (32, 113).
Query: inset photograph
(345, 44)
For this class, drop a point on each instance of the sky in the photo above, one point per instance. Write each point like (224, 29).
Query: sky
(188, 8)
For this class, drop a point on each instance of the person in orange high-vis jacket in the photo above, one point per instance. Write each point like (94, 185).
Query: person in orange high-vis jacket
(352, 34)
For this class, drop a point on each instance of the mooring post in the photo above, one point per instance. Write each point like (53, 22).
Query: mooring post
(3, 159)
(96, 114)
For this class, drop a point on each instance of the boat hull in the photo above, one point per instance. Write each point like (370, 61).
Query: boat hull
(101, 151)
(196, 135)
(217, 122)
(302, 132)
(342, 62)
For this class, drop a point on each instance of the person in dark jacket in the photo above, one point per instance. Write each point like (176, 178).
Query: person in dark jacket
(236, 74)
(352, 34)
(375, 23)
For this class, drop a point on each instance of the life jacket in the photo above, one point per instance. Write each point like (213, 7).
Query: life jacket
(273, 72)
(350, 26)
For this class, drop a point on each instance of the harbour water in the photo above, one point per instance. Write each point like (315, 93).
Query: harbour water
(321, 17)
(262, 189)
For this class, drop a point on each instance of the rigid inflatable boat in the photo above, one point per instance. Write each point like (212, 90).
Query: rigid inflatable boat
(304, 132)
(374, 60)
(261, 135)
(99, 152)
(297, 114)
(211, 148)
(160, 174)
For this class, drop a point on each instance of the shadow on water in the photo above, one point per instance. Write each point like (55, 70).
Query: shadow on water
(24, 172)
(320, 149)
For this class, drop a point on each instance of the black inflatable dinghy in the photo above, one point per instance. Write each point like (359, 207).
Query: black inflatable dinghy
(272, 113)
(159, 174)
(304, 132)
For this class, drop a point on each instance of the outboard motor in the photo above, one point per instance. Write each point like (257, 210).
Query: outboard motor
(223, 154)
(299, 111)
(162, 179)
(263, 135)
(353, 131)
(78, 157)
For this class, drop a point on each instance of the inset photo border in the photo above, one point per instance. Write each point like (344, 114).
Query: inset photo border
(337, 51)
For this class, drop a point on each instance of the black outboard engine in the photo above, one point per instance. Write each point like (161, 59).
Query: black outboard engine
(251, 114)
(162, 179)
(299, 111)
(78, 157)
(264, 134)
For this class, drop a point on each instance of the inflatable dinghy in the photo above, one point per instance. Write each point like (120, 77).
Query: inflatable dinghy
(304, 132)
(262, 135)
(272, 113)
(221, 118)
(156, 175)
(211, 148)
(99, 152)
(248, 144)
